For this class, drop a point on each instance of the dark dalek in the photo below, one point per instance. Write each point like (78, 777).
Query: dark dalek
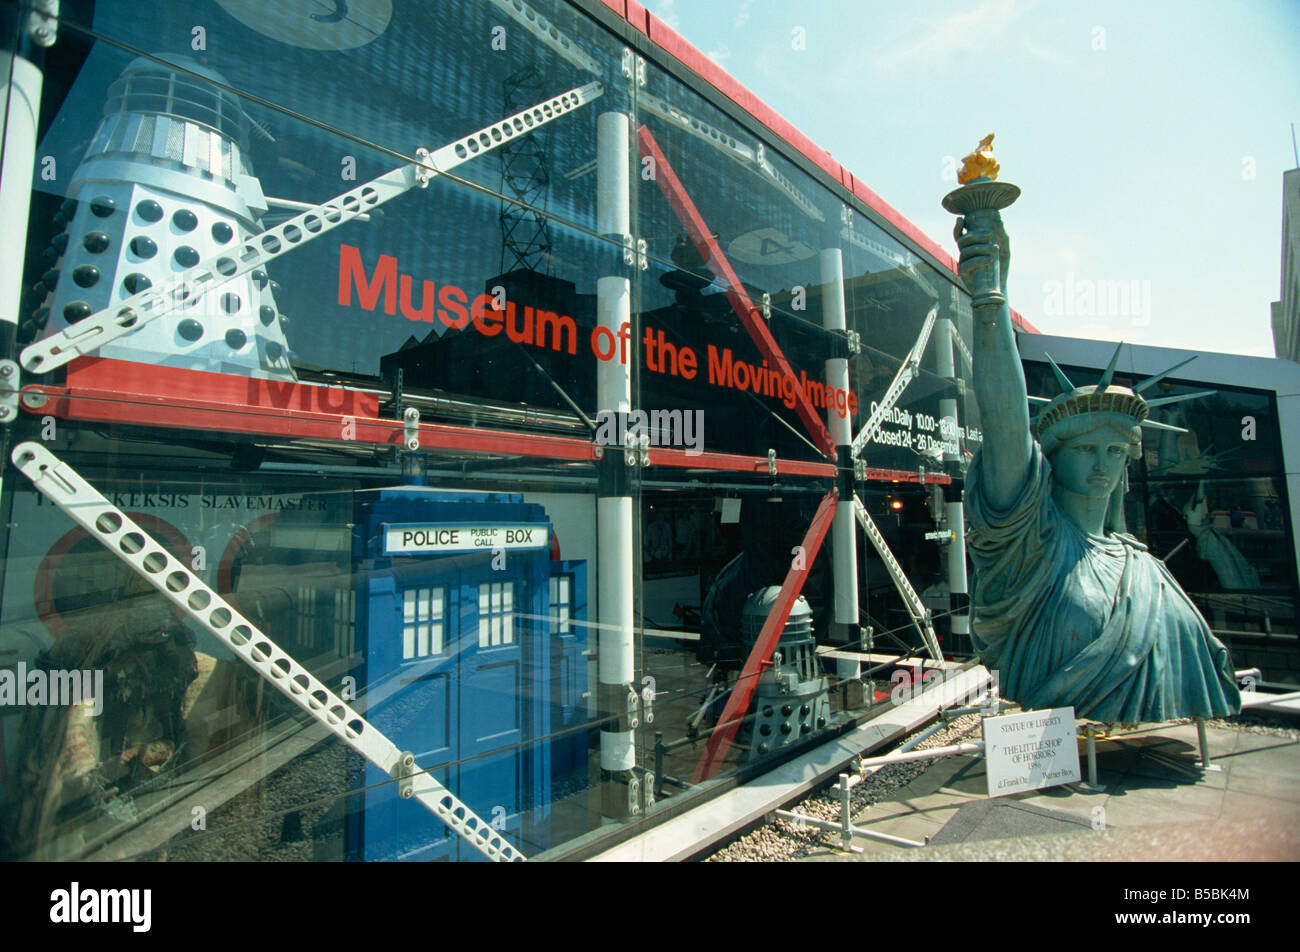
(165, 184)
(792, 699)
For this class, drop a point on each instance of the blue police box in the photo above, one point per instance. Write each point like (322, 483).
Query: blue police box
(471, 648)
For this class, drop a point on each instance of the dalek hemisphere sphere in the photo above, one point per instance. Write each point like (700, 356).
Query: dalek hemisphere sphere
(165, 185)
(759, 605)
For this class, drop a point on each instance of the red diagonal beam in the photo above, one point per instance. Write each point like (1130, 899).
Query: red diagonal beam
(761, 654)
(717, 262)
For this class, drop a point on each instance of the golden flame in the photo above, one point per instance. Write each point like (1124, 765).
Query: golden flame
(980, 163)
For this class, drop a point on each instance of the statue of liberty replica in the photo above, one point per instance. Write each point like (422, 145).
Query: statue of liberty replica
(1069, 609)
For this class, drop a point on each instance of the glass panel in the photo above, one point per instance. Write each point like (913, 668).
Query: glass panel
(255, 427)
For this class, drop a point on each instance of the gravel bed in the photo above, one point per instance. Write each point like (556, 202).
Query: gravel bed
(785, 840)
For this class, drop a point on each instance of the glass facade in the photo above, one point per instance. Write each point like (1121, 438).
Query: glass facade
(449, 384)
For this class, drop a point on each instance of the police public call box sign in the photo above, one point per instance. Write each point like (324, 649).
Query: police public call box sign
(1030, 750)
(427, 539)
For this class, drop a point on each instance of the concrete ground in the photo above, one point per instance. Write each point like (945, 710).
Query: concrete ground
(1155, 804)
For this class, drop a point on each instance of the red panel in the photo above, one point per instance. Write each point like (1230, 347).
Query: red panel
(1022, 323)
(116, 391)
(219, 390)
(618, 6)
(636, 15)
(761, 655)
(717, 262)
(905, 476)
(733, 463)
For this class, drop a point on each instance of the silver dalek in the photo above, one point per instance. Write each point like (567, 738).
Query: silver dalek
(164, 185)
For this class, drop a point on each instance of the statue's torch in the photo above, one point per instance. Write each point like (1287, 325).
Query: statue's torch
(978, 200)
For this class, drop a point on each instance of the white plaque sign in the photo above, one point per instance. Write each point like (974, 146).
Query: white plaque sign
(1030, 750)
(434, 539)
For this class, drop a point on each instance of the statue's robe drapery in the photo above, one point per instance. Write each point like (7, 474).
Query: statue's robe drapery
(1070, 619)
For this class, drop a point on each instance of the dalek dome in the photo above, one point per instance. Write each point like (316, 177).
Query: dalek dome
(182, 88)
(759, 605)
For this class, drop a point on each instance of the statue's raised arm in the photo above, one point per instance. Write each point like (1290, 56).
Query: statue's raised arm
(999, 376)
(1065, 604)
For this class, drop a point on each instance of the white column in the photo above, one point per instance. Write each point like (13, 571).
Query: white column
(21, 82)
(615, 654)
(844, 540)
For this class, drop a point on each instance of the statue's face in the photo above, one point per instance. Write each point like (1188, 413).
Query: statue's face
(1091, 465)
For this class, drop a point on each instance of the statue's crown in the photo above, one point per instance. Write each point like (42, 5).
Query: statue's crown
(1106, 397)
(1094, 399)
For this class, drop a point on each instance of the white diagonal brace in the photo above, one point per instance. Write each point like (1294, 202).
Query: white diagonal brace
(82, 503)
(548, 34)
(915, 608)
(139, 309)
(911, 365)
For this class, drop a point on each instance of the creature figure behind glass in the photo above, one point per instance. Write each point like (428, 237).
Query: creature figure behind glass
(1066, 606)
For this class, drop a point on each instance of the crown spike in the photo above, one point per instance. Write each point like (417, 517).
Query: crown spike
(1152, 381)
(1161, 401)
(1061, 378)
(1156, 425)
(1110, 369)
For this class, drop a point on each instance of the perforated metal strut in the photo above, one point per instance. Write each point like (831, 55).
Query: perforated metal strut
(911, 365)
(152, 303)
(915, 607)
(64, 487)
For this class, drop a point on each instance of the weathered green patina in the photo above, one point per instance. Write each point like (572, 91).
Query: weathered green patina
(1069, 609)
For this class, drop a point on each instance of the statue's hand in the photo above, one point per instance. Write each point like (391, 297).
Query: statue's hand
(984, 244)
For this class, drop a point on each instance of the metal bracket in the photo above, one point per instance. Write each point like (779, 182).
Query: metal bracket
(767, 306)
(640, 71)
(637, 450)
(859, 469)
(8, 391)
(629, 250)
(634, 796)
(411, 428)
(846, 215)
(771, 463)
(854, 340)
(633, 709)
(423, 174)
(642, 255)
(402, 773)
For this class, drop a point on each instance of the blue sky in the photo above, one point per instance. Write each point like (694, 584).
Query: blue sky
(1149, 139)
